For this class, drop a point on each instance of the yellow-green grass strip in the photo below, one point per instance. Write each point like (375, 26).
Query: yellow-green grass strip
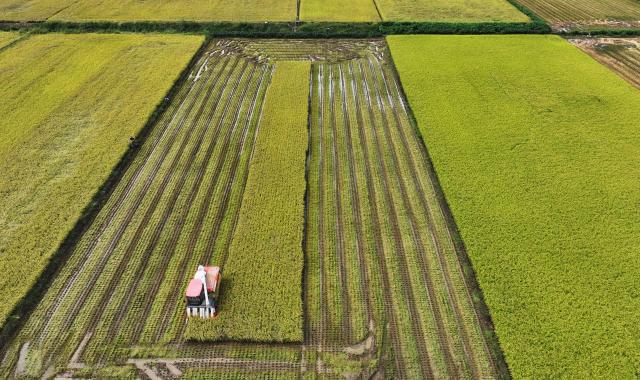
(262, 280)
(340, 11)
(178, 10)
(462, 11)
(70, 105)
(536, 146)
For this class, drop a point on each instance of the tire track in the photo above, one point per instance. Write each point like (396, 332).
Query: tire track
(476, 371)
(355, 201)
(373, 200)
(344, 285)
(196, 189)
(117, 206)
(84, 294)
(427, 371)
(141, 268)
(446, 346)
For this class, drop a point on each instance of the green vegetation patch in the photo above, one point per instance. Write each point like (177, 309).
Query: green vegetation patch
(536, 146)
(455, 11)
(261, 286)
(71, 104)
(334, 10)
(164, 10)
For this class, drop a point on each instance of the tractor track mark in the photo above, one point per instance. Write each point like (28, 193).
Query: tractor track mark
(380, 254)
(119, 233)
(437, 244)
(443, 339)
(115, 208)
(346, 305)
(130, 250)
(208, 252)
(124, 307)
(355, 201)
(427, 371)
(200, 177)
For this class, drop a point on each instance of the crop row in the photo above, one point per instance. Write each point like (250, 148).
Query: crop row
(379, 251)
(261, 295)
(173, 208)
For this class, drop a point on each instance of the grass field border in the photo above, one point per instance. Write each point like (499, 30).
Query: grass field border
(287, 29)
(31, 299)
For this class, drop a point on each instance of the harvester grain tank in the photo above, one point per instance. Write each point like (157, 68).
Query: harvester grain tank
(202, 292)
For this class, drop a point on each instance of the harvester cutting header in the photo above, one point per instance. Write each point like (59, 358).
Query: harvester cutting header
(202, 292)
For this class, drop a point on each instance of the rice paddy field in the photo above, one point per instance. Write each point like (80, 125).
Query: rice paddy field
(382, 288)
(587, 14)
(537, 157)
(460, 11)
(263, 10)
(622, 55)
(65, 125)
(382, 207)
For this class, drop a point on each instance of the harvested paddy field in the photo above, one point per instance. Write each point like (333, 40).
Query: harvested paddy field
(587, 14)
(384, 288)
(538, 159)
(622, 55)
(71, 106)
(454, 11)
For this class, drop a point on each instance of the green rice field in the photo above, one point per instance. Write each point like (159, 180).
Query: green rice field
(71, 105)
(537, 157)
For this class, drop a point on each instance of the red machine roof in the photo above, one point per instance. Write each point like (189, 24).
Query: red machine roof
(194, 288)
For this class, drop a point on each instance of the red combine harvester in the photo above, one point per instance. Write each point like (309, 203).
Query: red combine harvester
(202, 292)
